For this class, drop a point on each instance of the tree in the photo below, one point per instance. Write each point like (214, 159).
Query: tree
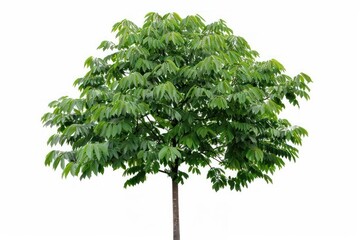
(177, 96)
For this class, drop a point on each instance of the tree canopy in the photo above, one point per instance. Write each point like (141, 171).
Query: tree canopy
(178, 96)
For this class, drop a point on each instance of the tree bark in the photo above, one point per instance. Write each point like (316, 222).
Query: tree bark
(175, 202)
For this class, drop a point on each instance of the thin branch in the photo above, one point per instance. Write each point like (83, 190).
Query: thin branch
(151, 130)
(147, 117)
(159, 136)
(217, 147)
(164, 171)
(217, 159)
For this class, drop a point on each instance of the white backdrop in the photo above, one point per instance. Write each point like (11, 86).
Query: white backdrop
(43, 45)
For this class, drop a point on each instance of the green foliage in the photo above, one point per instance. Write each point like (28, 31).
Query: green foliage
(178, 92)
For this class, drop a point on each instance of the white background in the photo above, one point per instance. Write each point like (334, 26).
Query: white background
(43, 45)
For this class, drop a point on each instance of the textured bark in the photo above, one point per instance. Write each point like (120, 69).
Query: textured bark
(175, 202)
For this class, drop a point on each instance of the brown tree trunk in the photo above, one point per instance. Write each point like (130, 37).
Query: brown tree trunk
(175, 202)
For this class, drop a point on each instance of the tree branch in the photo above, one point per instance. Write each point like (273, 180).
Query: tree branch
(164, 171)
(216, 159)
(151, 130)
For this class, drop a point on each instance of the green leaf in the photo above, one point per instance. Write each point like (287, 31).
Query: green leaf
(67, 169)
(163, 152)
(218, 102)
(89, 151)
(306, 77)
(155, 167)
(189, 142)
(134, 79)
(88, 62)
(57, 160)
(169, 154)
(175, 152)
(138, 178)
(104, 148)
(50, 157)
(255, 154)
(97, 152)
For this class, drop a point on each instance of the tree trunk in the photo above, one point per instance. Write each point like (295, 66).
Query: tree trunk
(175, 202)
